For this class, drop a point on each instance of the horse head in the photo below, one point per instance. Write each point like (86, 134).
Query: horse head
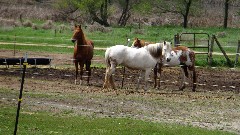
(78, 34)
(167, 48)
(137, 43)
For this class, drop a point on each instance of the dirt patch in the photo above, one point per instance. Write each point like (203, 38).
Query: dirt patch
(215, 105)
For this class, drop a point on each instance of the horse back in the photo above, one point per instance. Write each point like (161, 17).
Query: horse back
(90, 42)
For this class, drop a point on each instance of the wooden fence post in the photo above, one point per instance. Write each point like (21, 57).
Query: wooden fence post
(237, 54)
(176, 40)
(224, 53)
(210, 59)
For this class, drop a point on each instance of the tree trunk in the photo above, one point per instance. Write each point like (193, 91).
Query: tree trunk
(226, 14)
(125, 14)
(102, 20)
(185, 16)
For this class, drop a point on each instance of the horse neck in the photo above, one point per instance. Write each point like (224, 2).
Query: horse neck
(82, 40)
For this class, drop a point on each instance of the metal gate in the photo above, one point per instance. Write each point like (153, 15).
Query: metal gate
(199, 42)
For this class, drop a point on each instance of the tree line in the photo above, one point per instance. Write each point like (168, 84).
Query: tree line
(100, 11)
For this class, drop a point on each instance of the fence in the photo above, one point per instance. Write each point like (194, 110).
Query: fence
(206, 45)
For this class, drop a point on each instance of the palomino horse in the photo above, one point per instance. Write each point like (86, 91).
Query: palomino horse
(143, 59)
(83, 53)
(137, 43)
(184, 57)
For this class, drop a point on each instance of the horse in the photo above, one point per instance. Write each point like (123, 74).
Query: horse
(83, 53)
(137, 43)
(143, 59)
(183, 56)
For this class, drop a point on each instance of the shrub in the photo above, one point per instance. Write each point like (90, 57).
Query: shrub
(35, 27)
(9, 22)
(100, 28)
(27, 23)
(48, 25)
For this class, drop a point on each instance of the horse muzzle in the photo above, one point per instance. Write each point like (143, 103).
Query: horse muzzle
(73, 40)
(168, 59)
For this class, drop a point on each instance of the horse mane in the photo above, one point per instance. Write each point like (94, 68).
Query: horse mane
(155, 50)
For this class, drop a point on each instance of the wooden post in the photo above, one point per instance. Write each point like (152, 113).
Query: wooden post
(14, 46)
(124, 70)
(210, 59)
(224, 53)
(176, 40)
(237, 54)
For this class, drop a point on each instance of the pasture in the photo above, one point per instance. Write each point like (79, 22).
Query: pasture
(53, 104)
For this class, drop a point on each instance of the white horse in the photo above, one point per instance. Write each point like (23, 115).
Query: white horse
(179, 56)
(143, 59)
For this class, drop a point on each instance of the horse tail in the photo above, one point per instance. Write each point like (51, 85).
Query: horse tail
(107, 57)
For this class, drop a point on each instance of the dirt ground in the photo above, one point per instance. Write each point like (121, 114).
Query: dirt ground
(215, 105)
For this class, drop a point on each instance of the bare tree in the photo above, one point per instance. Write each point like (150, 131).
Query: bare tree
(182, 7)
(125, 12)
(96, 9)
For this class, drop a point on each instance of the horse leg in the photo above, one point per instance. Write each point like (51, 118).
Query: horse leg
(106, 80)
(76, 71)
(157, 69)
(88, 68)
(111, 71)
(184, 75)
(139, 79)
(146, 78)
(194, 80)
(81, 72)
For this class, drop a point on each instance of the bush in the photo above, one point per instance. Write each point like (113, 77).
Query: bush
(100, 28)
(35, 27)
(48, 25)
(27, 23)
(9, 22)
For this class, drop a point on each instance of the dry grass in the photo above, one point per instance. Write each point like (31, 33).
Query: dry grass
(100, 28)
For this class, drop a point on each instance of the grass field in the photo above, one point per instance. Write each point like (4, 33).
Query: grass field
(66, 122)
(228, 38)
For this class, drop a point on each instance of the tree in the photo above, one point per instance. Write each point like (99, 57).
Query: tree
(66, 8)
(182, 7)
(126, 7)
(129, 7)
(226, 5)
(98, 10)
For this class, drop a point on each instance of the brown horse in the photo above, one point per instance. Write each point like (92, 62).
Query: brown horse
(140, 43)
(83, 52)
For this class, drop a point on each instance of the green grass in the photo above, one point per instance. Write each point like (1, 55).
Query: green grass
(39, 123)
(118, 35)
(68, 122)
